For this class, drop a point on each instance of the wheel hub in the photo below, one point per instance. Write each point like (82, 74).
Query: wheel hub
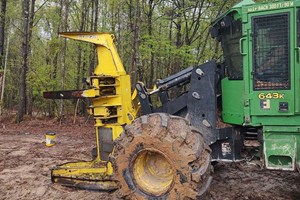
(153, 172)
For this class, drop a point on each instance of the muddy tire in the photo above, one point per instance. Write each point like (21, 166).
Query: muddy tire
(160, 156)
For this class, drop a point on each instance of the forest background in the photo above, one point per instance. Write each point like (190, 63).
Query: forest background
(154, 38)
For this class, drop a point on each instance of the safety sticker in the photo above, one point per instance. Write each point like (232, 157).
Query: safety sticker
(265, 104)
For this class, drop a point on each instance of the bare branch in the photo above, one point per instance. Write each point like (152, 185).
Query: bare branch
(41, 6)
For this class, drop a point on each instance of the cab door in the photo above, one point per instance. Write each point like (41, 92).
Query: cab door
(271, 62)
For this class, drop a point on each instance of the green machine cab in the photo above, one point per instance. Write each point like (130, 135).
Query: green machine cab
(261, 47)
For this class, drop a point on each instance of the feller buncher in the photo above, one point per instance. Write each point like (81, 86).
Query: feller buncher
(166, 153)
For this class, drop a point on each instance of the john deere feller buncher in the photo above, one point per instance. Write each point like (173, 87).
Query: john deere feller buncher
(166, 152)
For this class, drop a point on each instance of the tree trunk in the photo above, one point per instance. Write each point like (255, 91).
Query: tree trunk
(95, 26)
(30, 100)
(2, 35)
(51, 107)
(81, 60)
(2, 28)
(79, 57)
(151, 6)
(133, 14)
(25, 44)
(3, 78)
(169, 65)
(63, 54)
(104, 14)
(30, 94)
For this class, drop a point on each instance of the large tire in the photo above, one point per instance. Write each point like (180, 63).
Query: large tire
(160, 156)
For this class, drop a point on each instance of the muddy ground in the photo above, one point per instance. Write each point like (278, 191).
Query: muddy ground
(25, 164)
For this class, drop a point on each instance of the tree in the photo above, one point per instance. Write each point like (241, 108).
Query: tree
(29, 105)
(133, 18)
(2, 30)
(2, 35)
(151, 4)
(64, 27)
(25, 48)
(155, 38)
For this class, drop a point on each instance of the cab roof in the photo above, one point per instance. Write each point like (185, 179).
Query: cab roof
(236, 8)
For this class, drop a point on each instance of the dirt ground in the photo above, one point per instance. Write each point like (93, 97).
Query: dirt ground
(25, 164)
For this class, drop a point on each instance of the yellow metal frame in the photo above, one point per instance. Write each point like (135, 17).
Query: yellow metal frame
(109, 88)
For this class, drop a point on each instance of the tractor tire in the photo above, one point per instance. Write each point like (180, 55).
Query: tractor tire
(160, 156)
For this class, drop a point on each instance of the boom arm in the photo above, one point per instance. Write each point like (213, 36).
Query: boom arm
(109, 61)
(112, 108)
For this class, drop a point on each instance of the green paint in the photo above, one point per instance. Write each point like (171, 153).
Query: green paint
(271, 6)
(280, 147)
(232, 102)
(244, 3)
(244, 104)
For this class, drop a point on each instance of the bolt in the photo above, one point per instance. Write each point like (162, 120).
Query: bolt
(143, 96)
(196, 95)
(199, 72)
(138, 87)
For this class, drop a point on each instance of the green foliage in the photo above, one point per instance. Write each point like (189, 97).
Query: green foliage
(170, 36)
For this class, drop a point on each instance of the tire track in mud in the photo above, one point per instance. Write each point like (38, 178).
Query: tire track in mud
(25, 164)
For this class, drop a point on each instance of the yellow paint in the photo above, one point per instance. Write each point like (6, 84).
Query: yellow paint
(108, 57)
(153, 172)
(112, 105)
(274, 95)
(135, 103)
(50, 139)
(91, 93)
(94, 172)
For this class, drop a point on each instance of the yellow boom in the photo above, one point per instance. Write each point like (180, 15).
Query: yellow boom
(112, 108)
